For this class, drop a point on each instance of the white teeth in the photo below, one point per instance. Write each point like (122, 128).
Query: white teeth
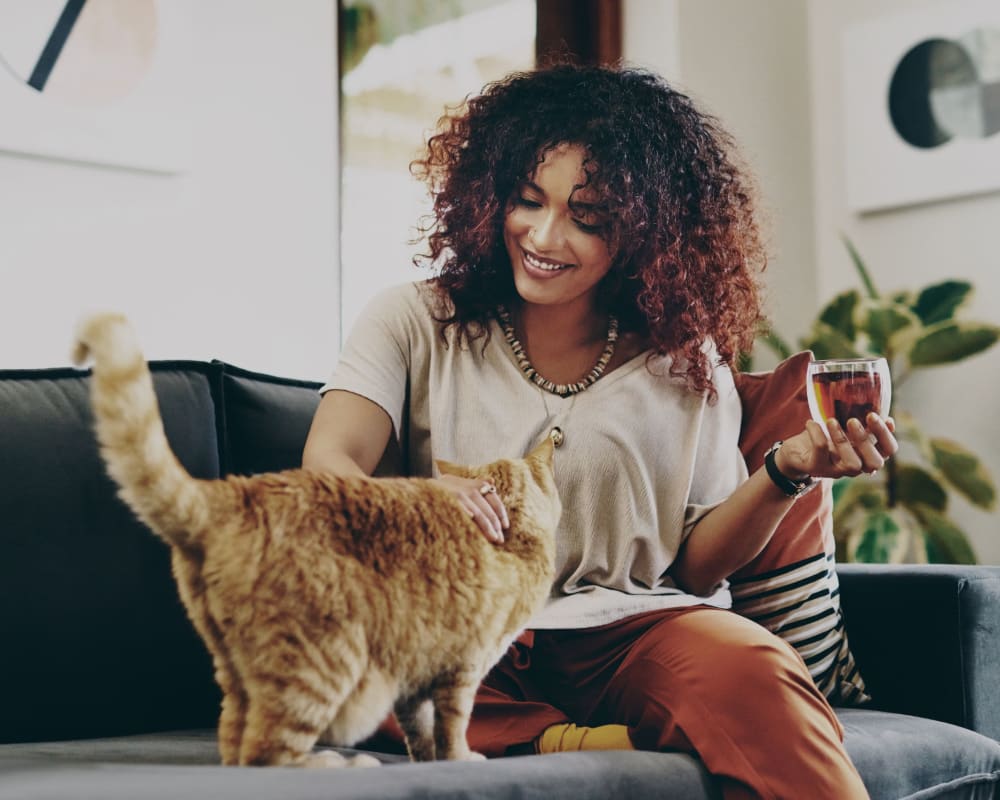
(548, 266)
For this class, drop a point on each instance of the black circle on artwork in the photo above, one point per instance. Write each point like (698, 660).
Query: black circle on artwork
(931, 65)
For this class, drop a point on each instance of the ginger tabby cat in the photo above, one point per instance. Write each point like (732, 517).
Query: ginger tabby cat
(327, 602)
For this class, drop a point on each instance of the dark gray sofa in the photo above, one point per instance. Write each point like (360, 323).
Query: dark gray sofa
(107, 691)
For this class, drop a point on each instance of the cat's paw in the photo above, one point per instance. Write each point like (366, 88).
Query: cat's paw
(472, 755)
(364, 761)
(324, 759)
(331, 759)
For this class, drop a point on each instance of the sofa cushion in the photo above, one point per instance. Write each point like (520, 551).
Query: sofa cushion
(927, 637)
(266, 420)
(97, 642)
(791, 586)
(898, 757)
(177, 765)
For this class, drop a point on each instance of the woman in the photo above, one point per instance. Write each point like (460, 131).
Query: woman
(598, 260)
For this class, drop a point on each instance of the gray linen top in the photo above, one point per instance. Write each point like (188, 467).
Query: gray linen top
(644, 457)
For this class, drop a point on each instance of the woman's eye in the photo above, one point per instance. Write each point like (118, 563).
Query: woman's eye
(524, 201)
(591, 229)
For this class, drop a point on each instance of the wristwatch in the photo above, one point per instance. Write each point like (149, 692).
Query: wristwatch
(790, 487)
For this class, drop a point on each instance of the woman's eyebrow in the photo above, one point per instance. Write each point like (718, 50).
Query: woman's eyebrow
(578, 206)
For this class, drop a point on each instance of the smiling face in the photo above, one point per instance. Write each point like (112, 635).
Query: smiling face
(554, 235)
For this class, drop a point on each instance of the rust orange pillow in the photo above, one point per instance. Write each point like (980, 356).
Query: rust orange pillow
(791, 587)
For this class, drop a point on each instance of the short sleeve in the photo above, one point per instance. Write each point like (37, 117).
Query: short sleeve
(375, 360)
(719, 466)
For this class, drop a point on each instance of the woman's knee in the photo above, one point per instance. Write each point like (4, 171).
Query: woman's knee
(717, 663)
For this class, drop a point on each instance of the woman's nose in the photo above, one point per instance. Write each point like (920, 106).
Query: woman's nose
(547, 234)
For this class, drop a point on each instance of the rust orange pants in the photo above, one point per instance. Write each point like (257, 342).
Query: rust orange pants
(699, 680)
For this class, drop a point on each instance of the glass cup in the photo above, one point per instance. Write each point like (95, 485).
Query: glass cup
(848, 387)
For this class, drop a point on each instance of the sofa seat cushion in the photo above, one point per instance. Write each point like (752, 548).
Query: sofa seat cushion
(899, 757)
(168, 766)
(904, 757)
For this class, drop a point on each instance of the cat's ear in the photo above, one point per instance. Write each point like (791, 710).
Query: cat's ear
(447, 468)
(542, 452)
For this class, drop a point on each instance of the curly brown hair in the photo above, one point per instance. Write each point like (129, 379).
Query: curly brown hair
(685, 244)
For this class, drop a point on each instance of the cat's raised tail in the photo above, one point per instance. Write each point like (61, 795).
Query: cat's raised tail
(130, 431)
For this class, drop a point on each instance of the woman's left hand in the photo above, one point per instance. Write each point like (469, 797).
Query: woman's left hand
(845, 453)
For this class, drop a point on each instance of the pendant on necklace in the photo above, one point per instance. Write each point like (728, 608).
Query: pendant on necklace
(557, 437)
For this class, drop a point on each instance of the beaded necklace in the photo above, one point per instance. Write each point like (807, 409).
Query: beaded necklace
(561, 389)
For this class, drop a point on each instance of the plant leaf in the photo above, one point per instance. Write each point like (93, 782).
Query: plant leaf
(946, 542)
(827, 342)
(878, 539)
(939, 302)
(859, 265)
(883, 321)
(947, 342)
(852, 496)
(915, 487)
(839, 487)
(839, 313)
(964, 471)
(778, 345)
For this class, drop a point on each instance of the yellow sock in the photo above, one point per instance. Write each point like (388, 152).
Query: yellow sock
(567, 736)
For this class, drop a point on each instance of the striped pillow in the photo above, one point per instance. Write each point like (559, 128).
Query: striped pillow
(800, 602)
(791, 587)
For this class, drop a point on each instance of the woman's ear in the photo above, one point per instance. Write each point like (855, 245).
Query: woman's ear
(542, 452)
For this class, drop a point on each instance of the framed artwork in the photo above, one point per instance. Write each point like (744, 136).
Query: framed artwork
(922, 105)
(97, 81)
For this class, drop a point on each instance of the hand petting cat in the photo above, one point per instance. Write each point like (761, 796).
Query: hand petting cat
(481, 501)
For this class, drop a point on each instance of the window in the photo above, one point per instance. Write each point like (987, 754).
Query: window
(401, 64)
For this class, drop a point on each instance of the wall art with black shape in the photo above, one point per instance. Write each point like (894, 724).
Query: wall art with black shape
(922, 105)
(97, 81)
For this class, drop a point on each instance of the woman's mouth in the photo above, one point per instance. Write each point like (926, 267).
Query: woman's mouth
(542, 263)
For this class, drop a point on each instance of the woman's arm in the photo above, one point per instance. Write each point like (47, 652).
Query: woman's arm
(736, 530)
(348, 435)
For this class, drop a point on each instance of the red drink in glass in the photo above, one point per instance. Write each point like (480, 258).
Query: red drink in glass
(845, 388)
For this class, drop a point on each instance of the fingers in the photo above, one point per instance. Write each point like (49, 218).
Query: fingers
(486, 508)
(494, 501)
(817, 435)
(883, 430)
(479, 499)
(842, 449)
(485, 517)
(859, 448)
(865, 446)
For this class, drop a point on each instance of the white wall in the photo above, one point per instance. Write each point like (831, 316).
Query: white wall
(237, 257)
(908, 248)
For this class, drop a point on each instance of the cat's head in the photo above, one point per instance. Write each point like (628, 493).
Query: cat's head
(526, 486)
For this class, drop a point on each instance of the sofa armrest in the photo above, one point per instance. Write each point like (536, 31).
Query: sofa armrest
(927, 639)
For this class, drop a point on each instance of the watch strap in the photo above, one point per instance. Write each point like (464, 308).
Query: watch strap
(792, 488)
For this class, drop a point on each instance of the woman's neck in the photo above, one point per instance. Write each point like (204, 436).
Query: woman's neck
(563, 327)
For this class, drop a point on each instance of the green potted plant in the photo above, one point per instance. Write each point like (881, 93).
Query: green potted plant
(901, 513)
